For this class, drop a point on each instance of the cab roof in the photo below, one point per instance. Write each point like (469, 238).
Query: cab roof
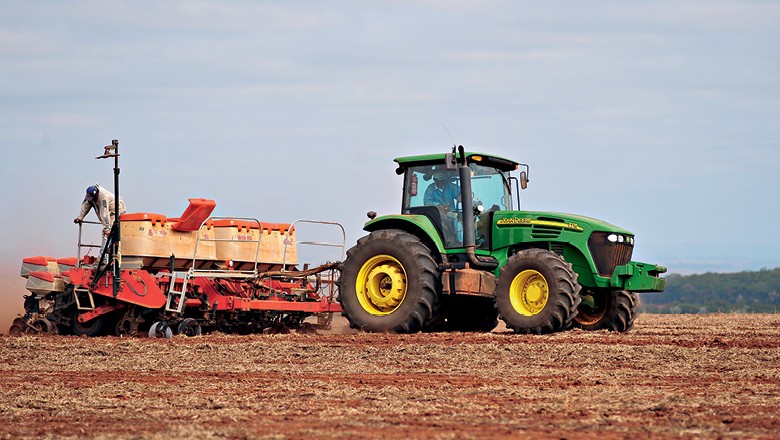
(473, 157)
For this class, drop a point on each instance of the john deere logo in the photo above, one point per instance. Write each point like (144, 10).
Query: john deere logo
(526, 221)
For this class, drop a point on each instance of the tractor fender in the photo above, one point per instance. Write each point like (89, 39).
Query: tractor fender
(417, 225)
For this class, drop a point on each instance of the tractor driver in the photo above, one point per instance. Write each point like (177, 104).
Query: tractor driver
(102, 201)
(443, 192)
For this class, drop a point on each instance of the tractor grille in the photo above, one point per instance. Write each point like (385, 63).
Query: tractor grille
(608, 255)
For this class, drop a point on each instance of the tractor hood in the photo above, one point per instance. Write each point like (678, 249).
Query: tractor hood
(594, 223)
(571, 222)
(592, 246)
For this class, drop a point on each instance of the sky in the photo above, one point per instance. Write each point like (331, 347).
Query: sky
(657, 116)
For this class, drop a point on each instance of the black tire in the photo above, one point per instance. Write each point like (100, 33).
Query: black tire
(17, 327)
(399, 283)
(190, 327)
(537, 292)
(160, 329)
(16, 330)
(613, 310)
(41, 326)
(94, 327)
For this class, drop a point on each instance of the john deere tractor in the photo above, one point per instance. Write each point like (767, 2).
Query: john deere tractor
(460, 256)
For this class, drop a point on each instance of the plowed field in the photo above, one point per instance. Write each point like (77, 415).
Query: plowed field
(672, 376)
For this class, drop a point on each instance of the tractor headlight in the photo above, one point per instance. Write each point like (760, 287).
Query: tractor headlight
(618, 238)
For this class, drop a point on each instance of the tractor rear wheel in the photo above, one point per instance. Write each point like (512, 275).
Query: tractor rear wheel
(537, 292)
(613, 310)
(389, 283)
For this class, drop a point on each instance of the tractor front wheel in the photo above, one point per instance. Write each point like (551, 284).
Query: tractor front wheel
(537, 292)
(613, 310)
(389, 283)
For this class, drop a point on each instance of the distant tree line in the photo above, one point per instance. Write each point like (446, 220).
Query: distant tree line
(742, 292)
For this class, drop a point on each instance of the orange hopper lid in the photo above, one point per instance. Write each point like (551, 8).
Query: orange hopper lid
(198, 211)
(142, 216)
(281, 227)
(39, 260)
(236, 224)
(45, 276)
(67, 261)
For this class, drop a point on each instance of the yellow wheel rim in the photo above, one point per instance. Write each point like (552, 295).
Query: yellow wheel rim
(381, 285)
(529, 292)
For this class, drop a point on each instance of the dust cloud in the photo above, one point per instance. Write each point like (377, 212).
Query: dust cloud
(12, 293)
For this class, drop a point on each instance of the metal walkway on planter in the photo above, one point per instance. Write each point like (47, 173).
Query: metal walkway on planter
(325, 287)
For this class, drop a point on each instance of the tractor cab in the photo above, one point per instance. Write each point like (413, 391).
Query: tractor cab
(432, 187)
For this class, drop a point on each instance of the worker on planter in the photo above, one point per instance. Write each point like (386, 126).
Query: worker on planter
(102, 201)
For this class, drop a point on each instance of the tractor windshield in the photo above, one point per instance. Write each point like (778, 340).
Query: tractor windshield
(491, 188)
(434, 191)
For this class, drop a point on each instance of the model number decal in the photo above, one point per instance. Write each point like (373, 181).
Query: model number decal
(526, 221)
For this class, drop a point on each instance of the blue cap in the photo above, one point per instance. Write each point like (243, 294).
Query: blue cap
(91, 191)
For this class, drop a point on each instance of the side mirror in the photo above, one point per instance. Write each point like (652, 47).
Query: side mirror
(523, 180)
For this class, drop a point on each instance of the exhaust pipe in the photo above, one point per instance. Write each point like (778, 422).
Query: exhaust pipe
(467, 204)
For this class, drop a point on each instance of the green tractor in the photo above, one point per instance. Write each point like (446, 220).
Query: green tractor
(459, 257)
